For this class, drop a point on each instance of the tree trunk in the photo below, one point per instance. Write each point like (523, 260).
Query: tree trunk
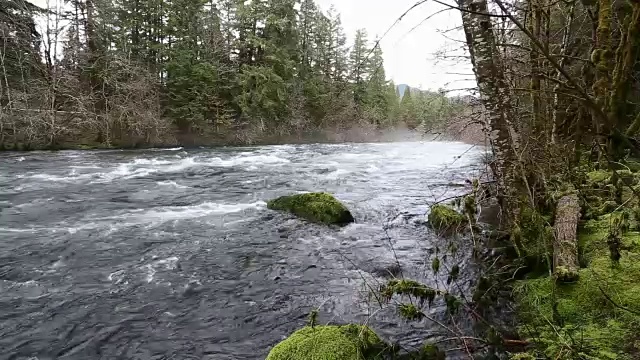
(495, 96)
(565, 246)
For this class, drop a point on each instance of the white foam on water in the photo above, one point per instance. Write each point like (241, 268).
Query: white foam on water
(14, 230)
(151, 272)
(116, 276)
(169, 149)
(21, 159)
(336, 174)
(249, 160)
(169, 263)
(168, 213)
(172, 184)
(164, 214)
(153, 162)
(72, 177)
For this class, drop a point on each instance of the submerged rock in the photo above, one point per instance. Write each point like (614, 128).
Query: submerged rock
(444, 218)
(348, 342)
(317, 207)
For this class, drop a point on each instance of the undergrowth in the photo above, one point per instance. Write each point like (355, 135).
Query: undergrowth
(598, 315)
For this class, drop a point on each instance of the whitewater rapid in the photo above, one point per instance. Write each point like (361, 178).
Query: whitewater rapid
(172, 252)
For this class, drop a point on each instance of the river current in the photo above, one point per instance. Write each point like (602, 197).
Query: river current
(172, 253)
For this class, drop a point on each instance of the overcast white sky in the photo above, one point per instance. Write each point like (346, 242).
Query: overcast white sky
(410, 56)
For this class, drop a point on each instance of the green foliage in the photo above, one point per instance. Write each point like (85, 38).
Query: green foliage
(444, 218)
(599, 177)
(453, 303)
(453, 274)
(533, 237)
(435, 265)
(408, 288)
(595, 317)
(348, 342)
(317, 207)
(522, 356)
(410, 312)
(202, 71)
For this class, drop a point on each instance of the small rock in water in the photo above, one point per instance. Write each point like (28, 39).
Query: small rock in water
(276, 278)
(268, 217)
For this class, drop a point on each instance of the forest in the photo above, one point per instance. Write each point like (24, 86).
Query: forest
(116, 73)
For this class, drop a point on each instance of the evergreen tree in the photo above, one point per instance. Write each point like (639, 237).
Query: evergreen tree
(408, 112)
(359, 67)
(376, 92)
(234, 69)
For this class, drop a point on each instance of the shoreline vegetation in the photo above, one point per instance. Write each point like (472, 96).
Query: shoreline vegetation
(121, 74)
(354, 136)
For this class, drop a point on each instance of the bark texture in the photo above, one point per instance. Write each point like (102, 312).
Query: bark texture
(565, 246)
(495, 95)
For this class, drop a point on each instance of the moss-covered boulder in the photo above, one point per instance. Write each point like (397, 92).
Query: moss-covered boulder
(444, 218)
(348, 342)
(317, 207)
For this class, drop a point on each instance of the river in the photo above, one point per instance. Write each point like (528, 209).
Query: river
(172, 254)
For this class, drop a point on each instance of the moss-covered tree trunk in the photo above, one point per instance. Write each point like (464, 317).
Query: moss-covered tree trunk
(603, 58)
(495, 95)
(565, 246)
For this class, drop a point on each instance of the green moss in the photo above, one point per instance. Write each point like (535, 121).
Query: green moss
(533, 238)
(599, 176)
(348, 342)
(634, 166)
(444, 218)
(627, 177)
(565, 275)
(596, 316)
(431, 352)
(408, 288)
(410, 312)
(522, 356)
(317, 207)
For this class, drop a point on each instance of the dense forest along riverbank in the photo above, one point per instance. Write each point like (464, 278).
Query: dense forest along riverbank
(173, 252)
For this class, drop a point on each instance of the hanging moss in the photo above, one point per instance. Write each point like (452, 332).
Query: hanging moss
(453, 274)
(410, 312)
(348, 342)
(408, 288)
(444, 218)
(317, 207)
(453, 303)
(435, 265)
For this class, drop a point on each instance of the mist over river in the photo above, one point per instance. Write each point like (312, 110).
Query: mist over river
(172, 254)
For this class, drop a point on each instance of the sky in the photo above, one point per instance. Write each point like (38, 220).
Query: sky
(411, 56)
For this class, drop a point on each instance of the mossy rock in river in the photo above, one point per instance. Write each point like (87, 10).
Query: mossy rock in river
(348, 342)
(444, 218)
(317, 207)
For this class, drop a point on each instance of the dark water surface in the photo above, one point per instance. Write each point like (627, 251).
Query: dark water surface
(172, 254)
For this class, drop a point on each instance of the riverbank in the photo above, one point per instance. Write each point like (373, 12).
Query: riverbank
(457, 131)
(596, 314)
